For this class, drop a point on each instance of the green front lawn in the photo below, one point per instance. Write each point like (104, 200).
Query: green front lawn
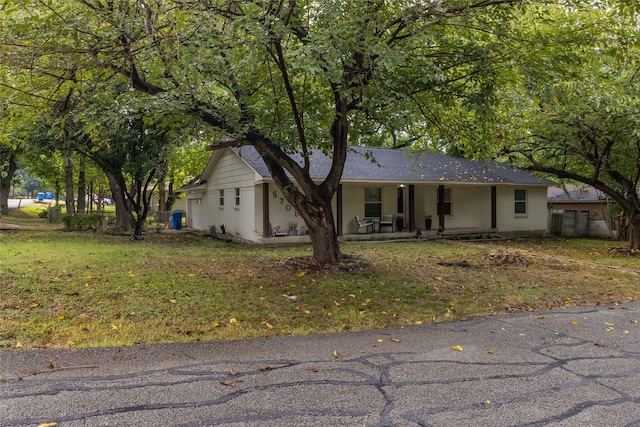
(68, 289)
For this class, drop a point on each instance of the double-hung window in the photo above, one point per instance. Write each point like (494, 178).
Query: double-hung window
(520, 202)
(373, 202)
(237, 197)
(221, 196)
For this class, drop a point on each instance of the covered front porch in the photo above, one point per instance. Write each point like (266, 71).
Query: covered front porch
(417, 207)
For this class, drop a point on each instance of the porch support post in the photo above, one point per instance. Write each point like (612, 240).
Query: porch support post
(339, 210)
(412, 207)
(265, 210)
(494, 207)
(441, 206)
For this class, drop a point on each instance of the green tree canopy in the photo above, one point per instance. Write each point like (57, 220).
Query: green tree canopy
(284, 76)
(578, 120)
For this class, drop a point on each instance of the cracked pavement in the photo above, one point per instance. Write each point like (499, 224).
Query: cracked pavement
(578, 366)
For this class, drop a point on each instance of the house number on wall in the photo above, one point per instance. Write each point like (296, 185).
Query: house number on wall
(282, 200)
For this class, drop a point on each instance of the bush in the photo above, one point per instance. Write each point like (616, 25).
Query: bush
(53, 214)
(81, 222)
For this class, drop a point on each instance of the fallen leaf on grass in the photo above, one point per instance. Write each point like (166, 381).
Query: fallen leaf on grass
(457, 347)
(267, 324)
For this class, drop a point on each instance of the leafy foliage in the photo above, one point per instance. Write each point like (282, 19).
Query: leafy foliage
(580, 120)
(283, 76)
(79, 222)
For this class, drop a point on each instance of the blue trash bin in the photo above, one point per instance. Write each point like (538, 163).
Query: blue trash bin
(40, 197)
(176, 220)
(48, 196)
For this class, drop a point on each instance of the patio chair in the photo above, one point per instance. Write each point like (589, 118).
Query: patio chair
(386, 221)
(364, 227)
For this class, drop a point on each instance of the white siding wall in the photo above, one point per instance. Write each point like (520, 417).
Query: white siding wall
(281, 213)
(470, 206)
(195, 210)
(536, 217)
(230, 173)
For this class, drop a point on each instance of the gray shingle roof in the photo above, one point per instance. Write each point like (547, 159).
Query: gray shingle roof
(573, 193)
(381, 164)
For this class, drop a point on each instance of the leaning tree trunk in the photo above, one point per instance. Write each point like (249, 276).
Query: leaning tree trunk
(314, 205)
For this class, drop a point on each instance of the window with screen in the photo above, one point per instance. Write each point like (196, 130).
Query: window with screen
(520, 202)
(372, 202)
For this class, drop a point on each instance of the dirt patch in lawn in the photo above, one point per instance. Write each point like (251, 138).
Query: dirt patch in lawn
(348, 264)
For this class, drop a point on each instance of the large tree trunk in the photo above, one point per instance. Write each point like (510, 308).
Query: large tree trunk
(312, 201)
(5, 183)
(68, 179)
(318, 216)
(634, 229)
(124, 217)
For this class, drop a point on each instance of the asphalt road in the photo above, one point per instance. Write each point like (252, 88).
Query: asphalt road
(574, 367)
(16, 203)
